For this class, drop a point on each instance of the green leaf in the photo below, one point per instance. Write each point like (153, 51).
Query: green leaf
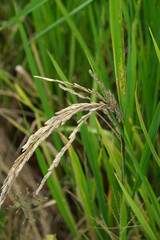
(155, 45)
(34, 71)
(81, 186)
(111, 151)
(138, 213)
(146, 151)
(57, 193)
(145, 132)
(123, 222)
(23, 13)
(140, 172)
(118, 50)
(59, 21)
(75, 31)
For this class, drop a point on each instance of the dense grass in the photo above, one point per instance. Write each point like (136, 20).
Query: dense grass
(120, 42)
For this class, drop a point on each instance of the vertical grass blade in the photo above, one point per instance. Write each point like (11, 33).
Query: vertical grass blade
(59, 21)
(118, 51)
(156, 92)
(155, 45)
(123, 222)
(81, 184)
(55, 187)
(138, 213)
(131, 81)
(144, 180)
(34, 71)
(75, 31)
(58, 194)
(146, 151)
(98, 46)
(91, 151)
(109, 147)
(145, 132)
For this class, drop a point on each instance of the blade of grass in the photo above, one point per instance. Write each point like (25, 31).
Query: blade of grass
(118, 51)
(34, 71)
(25, 99)
(65, 210)
(109, 147)
(146, 151)
(151, 214)
(23, 13)
(98, 46)
(123, 222)
(58, 69)
(145, 131)
(104, 12)
(61, 20)
(15, 124)
(75, 31)
(88, 142)
(114, 189)
(141, 174)
(86, 202)
(58, 194)
(137, 212)
(72, 58)
(158, 72)
(114, 163)
(61, 75)
(131, 82)
(155, 45)
(40, 89)
(4, 76)
(152, 135)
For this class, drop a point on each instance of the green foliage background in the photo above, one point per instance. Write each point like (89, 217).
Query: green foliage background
(120, 41)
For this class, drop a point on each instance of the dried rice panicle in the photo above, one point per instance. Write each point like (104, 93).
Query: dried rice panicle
(37, 138)
(59, 119)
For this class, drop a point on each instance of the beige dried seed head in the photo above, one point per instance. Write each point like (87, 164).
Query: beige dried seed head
(61, 117)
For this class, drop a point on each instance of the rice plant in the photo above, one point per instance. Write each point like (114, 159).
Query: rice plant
(98, 150)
